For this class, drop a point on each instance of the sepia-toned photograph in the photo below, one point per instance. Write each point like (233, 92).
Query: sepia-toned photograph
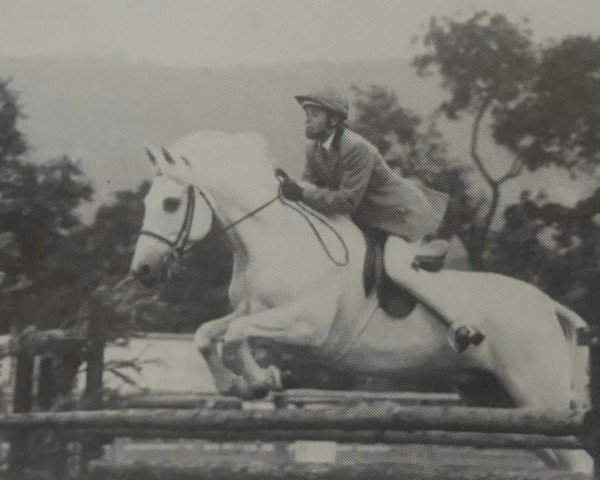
(300, 239)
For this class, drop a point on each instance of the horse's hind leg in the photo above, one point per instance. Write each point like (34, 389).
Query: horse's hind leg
(552, 393)
(484, 390)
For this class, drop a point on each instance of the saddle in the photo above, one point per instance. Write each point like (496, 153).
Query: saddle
(394, 299)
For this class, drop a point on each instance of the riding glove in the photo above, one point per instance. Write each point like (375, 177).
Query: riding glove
(291, 190)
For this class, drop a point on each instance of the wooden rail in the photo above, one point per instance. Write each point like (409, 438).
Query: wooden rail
(378, 417)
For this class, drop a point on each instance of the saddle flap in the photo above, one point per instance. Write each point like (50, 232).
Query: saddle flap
(393, 299)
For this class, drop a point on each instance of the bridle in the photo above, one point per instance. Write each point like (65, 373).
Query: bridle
(179, 246)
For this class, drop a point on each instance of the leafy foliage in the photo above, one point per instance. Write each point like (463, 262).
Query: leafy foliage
(552, 247)
(483, 56)
(381, 119)
(12, 140)
(38, 213)
(558, 121)
(40, 210)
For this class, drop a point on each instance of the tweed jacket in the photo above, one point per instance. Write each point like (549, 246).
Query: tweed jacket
(352, 178)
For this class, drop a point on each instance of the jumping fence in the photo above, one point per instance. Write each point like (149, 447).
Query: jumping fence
(348, 418)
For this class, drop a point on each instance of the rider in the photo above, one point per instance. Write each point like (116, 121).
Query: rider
(345, 174)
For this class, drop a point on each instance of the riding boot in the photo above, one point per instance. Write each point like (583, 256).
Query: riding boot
(431, 256)
(428, 254)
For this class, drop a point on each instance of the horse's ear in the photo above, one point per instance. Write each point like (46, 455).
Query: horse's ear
(168, 157)
(176, 167)
(155, 159)
(151, 156)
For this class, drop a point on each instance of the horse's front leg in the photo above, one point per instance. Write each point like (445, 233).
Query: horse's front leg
(207, 340)
(260, 380)
(305, 321)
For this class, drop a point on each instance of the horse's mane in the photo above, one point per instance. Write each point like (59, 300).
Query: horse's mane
(240, 163)
(246, 153)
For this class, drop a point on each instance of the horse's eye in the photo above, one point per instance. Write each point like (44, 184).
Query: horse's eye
(171, 204)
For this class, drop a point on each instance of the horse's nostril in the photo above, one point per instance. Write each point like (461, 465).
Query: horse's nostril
(144, 270)
(144, 275)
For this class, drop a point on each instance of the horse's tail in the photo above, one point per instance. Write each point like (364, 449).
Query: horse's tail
(571, 324)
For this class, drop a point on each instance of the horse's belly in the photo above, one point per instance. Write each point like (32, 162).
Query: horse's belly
(410, 347)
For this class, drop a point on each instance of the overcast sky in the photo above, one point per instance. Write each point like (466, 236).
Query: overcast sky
(231, 32)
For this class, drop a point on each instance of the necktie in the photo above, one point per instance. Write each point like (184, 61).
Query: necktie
(323, 151)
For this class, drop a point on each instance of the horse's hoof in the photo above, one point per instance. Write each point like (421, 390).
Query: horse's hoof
(259, 393)
(477, 338)
(239, 388)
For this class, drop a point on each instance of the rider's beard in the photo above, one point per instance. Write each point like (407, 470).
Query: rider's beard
(320, 135)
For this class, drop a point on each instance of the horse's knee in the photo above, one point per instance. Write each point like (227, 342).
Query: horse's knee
(203, 339)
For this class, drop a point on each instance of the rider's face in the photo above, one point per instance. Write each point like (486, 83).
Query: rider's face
(317, 122)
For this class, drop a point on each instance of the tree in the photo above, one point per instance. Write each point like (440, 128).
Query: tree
(43, 200)
(552, 247)
(381, 119)
(12, 140)
(486, 62)
(38, 205)
(12, 145)
(558, 121)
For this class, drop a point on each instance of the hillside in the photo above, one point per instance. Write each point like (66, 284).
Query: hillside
(104, 109)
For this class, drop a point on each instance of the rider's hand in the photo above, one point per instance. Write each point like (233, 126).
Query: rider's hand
(291, 190)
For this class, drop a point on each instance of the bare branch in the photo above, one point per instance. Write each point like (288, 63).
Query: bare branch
(475, 140)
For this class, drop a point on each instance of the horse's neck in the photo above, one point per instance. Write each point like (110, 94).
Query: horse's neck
(277, 232)
(259, 228)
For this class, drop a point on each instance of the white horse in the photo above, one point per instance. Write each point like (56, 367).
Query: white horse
(284, 290)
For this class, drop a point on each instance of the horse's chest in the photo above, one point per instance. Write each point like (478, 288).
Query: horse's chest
(261, 289)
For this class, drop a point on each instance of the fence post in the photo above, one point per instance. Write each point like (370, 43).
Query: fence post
(46, 383)
(22, 402)
(94, 387)
(593, 341)
(46, 396)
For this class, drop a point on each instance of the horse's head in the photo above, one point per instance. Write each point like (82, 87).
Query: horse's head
(176, 215)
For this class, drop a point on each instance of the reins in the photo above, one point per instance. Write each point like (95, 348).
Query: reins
(306, 214)
(178, 246)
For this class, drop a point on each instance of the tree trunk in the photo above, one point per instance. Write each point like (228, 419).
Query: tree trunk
(487, 225)
(479, 237)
